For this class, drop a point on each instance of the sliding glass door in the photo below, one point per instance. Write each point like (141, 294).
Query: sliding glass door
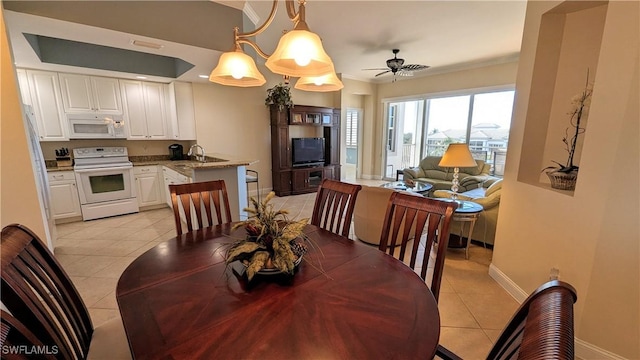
(404, 128)
(425, 127)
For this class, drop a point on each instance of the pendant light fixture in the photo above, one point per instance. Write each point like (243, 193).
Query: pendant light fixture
(299, 51)
(324, 83)
(299, 54)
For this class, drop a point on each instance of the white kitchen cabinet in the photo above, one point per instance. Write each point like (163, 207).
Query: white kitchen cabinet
(65, 202)
(23, 84)
(149, 185)
(82, 94)
(44, 90)
(144, 109)
(181, 115)
(172, 177)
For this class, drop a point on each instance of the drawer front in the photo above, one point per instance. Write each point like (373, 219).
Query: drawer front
(141, 170)
(61, 175)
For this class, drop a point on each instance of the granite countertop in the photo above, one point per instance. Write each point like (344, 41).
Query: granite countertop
(184, 167)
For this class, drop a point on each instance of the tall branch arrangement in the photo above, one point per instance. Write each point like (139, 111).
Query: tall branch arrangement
(580, 108)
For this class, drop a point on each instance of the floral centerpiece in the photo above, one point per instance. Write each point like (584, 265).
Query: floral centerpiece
(563, 176)
(273, 241)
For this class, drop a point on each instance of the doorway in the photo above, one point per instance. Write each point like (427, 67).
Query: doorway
(403, 144)
(353, 126)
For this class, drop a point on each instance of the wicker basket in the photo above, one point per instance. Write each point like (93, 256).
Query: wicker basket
(563, 181)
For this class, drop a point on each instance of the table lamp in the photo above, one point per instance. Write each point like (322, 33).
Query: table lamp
(457, 156)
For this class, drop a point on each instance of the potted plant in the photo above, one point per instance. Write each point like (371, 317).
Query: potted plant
(279, 95)
(274, 244)
(564, 176)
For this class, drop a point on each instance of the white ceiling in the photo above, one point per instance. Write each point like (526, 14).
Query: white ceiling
(446, 35)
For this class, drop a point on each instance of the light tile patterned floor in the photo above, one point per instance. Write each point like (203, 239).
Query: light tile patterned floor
(473, 307)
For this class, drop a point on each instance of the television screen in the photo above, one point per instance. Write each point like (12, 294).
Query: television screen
(307, 150)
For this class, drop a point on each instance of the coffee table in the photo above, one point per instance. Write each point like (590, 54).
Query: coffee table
(417, 187)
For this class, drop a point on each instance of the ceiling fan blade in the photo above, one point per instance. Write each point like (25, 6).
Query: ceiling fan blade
(413, 67)
(377, 69)
(384, 72)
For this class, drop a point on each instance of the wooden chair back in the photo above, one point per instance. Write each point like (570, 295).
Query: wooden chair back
(38, 293)
(206, 199)
(333, 208)
(542, 328)
(410, 216)
(14, 336)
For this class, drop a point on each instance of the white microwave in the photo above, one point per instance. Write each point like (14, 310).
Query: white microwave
(93, 126)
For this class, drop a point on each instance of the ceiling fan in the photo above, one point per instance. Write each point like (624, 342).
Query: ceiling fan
(396, 67)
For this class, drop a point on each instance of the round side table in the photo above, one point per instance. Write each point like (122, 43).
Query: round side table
(467, 212)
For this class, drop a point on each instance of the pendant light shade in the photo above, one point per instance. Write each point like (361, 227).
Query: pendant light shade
(299, 54)
(324, 83)
(236, 68)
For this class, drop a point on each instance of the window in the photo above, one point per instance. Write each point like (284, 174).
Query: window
(426, 126)
(352, 128)
(480, 119)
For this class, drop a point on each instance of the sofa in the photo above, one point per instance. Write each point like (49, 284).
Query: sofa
(489, 197)
(441, 178)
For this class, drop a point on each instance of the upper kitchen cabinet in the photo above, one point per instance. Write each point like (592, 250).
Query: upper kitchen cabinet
(82, 94)
(181, 115)
(44, 96)
(144, 109)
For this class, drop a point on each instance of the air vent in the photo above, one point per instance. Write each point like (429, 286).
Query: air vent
(147, 44)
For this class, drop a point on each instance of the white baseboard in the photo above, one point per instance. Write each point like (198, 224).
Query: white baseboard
(583, 349)
(587, 351)
(511, 287)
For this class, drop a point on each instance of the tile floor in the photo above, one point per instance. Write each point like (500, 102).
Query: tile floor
(473, 307)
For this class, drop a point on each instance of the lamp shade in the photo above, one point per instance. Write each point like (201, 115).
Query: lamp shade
(300, 54)
(457, 155)
(324, 83)
(236, 68)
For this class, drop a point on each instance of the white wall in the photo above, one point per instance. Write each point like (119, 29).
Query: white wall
(18, 191)
(591, 235)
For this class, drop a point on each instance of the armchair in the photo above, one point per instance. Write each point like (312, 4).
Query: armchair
(489, 197)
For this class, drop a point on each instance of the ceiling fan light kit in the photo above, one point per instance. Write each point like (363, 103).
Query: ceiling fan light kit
(299, 54)
(396, 66)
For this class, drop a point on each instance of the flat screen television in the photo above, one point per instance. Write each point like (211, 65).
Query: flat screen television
(307, 151)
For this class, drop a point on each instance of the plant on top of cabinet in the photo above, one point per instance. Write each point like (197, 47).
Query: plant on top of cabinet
(279, 95)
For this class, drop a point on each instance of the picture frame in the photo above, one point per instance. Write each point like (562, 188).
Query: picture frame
(297, 118)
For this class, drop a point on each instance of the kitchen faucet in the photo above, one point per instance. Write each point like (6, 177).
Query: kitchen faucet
(199, 157)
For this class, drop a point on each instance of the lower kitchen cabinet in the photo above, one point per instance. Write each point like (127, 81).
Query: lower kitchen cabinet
(149, 185)
(65, 202)
(172, 177)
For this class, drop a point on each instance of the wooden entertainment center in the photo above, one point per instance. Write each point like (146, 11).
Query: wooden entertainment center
(303, 121)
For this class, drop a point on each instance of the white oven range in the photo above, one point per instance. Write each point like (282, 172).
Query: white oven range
(106, 185)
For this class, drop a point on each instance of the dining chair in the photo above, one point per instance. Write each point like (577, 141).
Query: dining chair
(407, 218)
(46, 308)
(203, 198)
(541, 328)
(14, 334)
(333, 208)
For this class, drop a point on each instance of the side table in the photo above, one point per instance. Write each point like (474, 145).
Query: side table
(467, 212)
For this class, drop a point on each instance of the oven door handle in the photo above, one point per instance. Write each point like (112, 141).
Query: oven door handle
(126, 167)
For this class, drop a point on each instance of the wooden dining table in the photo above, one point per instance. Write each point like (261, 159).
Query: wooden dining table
(347, 300)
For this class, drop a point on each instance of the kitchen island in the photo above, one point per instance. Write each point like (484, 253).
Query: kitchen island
(229, 168)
